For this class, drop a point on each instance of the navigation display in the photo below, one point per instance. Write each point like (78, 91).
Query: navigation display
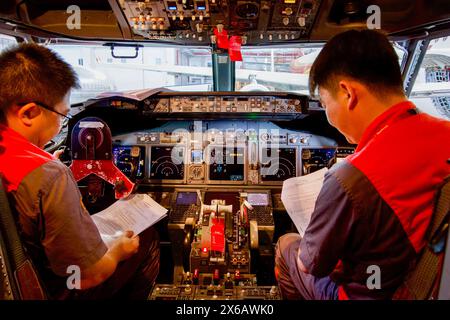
(278, 164)
(167, 163)
(226, 164)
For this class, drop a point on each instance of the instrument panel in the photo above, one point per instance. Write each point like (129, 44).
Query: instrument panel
(221, 153)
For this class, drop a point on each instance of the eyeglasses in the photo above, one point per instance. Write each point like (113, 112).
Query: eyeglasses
(42, 105)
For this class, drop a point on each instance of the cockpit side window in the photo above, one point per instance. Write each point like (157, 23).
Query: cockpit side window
(431, 90)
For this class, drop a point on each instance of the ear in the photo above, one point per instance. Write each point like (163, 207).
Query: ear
(28, 113)
(349, 93)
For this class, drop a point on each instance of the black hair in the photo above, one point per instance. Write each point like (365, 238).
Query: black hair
(363, 55)
(33, 73)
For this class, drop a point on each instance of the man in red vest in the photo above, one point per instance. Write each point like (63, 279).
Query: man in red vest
(374, 208)
(56, 228)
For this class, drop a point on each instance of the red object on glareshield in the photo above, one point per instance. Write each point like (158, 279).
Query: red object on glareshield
(234, 49)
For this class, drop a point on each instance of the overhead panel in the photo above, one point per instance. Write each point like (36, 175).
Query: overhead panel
(193, 22)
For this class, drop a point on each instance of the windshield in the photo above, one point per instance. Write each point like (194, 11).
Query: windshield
(187, 68)
(280, 69)
(180, 69)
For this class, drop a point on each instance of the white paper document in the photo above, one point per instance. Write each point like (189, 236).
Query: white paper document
(136, 213)
(299, 196)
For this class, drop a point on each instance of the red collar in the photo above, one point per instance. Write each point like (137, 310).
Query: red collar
(18, 157)
(12, 134)
(384, 120)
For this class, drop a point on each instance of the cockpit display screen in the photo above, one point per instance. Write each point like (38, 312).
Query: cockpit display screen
(226, 164)
(130, 160)
(186, 198)
(258, 199)
(278, 164)
(167, 163)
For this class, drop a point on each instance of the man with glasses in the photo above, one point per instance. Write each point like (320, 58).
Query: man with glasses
(35, 85)
(369, 222)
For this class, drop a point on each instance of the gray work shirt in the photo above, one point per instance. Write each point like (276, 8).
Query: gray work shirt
(55, 225)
